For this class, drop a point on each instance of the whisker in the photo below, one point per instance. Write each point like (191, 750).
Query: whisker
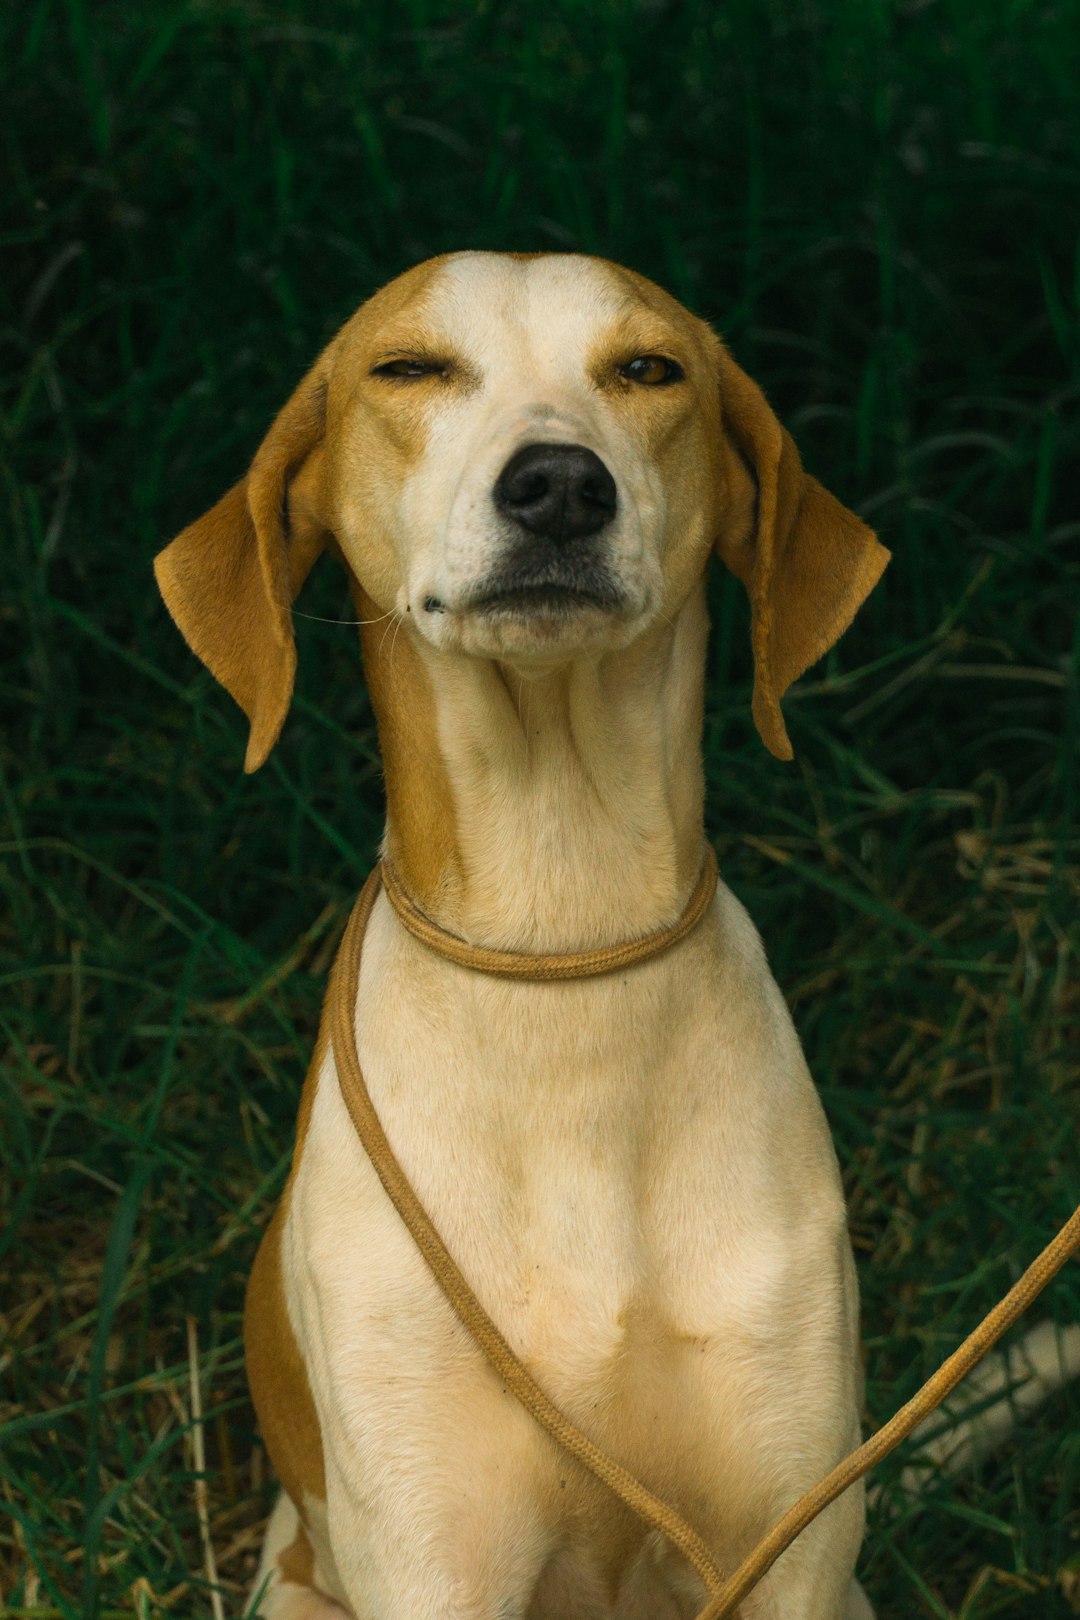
(318, 618)
(393, 644)
(397, 623)
(523, 715)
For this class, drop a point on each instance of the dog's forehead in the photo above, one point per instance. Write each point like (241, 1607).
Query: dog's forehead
(555, 305)
(490, 304)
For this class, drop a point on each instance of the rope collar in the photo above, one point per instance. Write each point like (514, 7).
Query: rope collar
(725, 1592)
(526, 964)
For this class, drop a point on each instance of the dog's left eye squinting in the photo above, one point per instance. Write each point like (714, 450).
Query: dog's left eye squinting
(652, 370)
(409, 366)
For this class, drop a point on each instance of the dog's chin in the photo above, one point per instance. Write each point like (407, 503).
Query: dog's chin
(539, 621)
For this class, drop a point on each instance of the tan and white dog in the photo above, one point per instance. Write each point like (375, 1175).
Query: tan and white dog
(525, 463)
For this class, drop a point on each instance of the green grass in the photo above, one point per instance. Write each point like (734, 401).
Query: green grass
(878, 204)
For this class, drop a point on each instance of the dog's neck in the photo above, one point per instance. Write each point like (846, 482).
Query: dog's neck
(551, 812)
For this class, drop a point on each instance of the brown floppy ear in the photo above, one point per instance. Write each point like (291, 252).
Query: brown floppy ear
(807, 563)
(230, 578)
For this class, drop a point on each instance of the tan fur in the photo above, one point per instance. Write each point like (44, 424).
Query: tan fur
(423, 844)
(634, 1172)
(297, 1562)
(807, 564)
(230, 578)
(277, 1373)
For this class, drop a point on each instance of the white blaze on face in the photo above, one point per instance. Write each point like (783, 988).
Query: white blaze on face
(527, 334)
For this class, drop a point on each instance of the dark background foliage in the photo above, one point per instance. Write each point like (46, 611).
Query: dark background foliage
(877, 202)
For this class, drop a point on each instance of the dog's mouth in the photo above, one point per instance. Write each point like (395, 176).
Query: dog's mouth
(527, 595)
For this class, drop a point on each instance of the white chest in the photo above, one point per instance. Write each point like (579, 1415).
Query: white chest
(624, 1168)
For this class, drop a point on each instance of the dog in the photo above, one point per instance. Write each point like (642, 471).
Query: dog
(525, 463)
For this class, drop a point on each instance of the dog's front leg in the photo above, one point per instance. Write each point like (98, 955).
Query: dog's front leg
(812, 1580)
(440, 1487)
(460, 1542)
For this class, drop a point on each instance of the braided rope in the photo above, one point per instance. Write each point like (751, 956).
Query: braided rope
(523, 964)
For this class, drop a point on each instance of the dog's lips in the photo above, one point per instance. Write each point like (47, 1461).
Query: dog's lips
(544, 599)
(541, 594)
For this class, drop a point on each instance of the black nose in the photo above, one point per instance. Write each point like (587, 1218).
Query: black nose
(558, 491)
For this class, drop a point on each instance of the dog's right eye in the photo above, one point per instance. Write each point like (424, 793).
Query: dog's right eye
(652, 371)
(409, 366)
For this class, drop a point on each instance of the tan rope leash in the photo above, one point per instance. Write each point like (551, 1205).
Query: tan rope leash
(574, 965)
(724, 1595)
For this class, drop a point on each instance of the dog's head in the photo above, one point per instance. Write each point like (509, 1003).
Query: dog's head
(525, 457)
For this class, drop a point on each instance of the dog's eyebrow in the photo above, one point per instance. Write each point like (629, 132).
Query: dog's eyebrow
(638, 321)
(411, 351)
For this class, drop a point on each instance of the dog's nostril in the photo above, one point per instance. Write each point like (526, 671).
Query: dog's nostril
(559, 492)
(532, 487)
